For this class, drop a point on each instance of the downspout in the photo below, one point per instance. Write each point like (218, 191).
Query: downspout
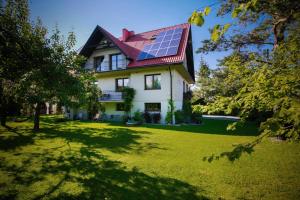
(171, 95)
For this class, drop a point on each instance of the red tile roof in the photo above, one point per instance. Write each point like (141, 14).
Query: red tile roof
(135, 44)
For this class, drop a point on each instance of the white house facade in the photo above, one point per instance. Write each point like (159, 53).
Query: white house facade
(157, 64)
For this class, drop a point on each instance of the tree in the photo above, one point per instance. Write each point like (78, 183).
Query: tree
(204, 87)
(92, 99)
(261, 76)
(36, 69)
(57, 74)
(256, 23)
(15, 39)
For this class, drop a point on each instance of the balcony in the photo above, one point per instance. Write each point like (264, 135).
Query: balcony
(105, 66)
(111, 96)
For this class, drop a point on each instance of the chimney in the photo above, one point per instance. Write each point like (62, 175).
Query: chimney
(126, 34)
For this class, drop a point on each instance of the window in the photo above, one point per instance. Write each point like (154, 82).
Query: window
(116, 61)
(120, 107)
(152, 107)
(121, 83)
(152, 82)
(97, 62)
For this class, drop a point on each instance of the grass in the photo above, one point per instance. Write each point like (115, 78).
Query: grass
(90, 160)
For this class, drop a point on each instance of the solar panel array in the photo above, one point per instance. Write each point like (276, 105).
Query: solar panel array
(165, 44)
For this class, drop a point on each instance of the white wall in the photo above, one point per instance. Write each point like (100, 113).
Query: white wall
(151, 96)
(177, 89)
(109, 83)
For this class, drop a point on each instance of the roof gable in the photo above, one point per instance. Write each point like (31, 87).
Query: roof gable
(95, 38)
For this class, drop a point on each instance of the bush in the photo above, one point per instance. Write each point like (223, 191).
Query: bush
(197, 117)
(179, 116)
(171, 108)
(168, 117)
(187, 107)
(156, 117)
(138, 117)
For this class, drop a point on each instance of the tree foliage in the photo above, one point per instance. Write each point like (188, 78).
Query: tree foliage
(15, 40)
(260, 79)
(128, 96)
(36, 69)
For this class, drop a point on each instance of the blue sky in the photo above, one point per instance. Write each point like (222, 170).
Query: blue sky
(113, 15)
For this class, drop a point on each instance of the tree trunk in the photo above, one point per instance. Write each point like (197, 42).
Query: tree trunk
(3, 116)
(2, 107)
(37, 117)
(278, 29)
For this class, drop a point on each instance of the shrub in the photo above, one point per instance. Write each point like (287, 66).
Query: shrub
(171, 108)
(156, 117)
(179, 116)
(147, 117)
(187, 107)
(197, 117)
(138, 117)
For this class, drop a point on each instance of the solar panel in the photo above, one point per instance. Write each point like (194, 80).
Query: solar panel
(165, 44)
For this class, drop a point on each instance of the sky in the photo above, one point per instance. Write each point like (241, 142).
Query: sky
(82, 16)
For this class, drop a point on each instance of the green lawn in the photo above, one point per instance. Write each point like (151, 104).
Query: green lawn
(90, 160)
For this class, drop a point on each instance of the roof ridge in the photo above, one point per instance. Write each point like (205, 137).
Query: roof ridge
(118, 38)
(162, 28)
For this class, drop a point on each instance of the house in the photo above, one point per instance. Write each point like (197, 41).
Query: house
(158, 64)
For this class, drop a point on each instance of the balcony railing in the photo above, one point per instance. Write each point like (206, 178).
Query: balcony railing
(111, 96)
(105, 66)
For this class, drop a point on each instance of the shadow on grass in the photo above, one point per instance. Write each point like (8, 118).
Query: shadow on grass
(15, 139)
(209, 126)
(237, 151)
(117, 140)
(78, 170)
(101, 178)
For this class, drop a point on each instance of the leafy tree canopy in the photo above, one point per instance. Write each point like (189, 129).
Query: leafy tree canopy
(37, 69)
(260, 79)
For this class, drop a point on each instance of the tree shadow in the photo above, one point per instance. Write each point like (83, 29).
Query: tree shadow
(237, 151)
(15, 139)
(78, 169)
(95, 177)
(209, 126)
(117, 140)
